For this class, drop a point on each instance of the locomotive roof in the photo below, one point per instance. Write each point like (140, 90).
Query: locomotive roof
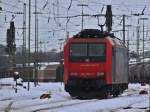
(93, 33)
(117, 41)
(96, 33)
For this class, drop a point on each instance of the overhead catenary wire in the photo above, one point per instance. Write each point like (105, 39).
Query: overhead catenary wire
(48, 15)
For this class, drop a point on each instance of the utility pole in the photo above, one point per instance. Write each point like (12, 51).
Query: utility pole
(128, 39)
(128, 45)
(29, 45)
(138, 43)
(24, 36)
(82, 5)
(35, 52)
(37, 46)
(108, 17)
(57, 19)
(143, 49)
(124, 29)
(67, 21)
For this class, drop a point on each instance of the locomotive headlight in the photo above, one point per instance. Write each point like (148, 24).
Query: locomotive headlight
(100, 74)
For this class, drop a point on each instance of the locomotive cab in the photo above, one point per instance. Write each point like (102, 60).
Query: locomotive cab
(88, 60)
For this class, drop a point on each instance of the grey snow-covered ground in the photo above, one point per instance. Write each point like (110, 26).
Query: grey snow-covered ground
(61, 101)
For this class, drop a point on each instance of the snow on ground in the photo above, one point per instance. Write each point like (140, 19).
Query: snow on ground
(60, 101)
(107, 104)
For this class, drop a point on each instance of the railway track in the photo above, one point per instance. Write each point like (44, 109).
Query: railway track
(65, 104)
(35, 104)
(51, 105)
(60, 104)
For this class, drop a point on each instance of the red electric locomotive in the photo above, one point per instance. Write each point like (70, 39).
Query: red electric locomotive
(95, 63)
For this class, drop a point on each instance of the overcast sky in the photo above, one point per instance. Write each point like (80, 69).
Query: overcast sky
(51, 29)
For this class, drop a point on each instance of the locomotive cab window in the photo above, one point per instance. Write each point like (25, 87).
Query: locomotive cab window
(78, 50)
(87, 51)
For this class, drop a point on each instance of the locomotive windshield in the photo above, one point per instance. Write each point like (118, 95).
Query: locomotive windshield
(87, 51)
(78, 50)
